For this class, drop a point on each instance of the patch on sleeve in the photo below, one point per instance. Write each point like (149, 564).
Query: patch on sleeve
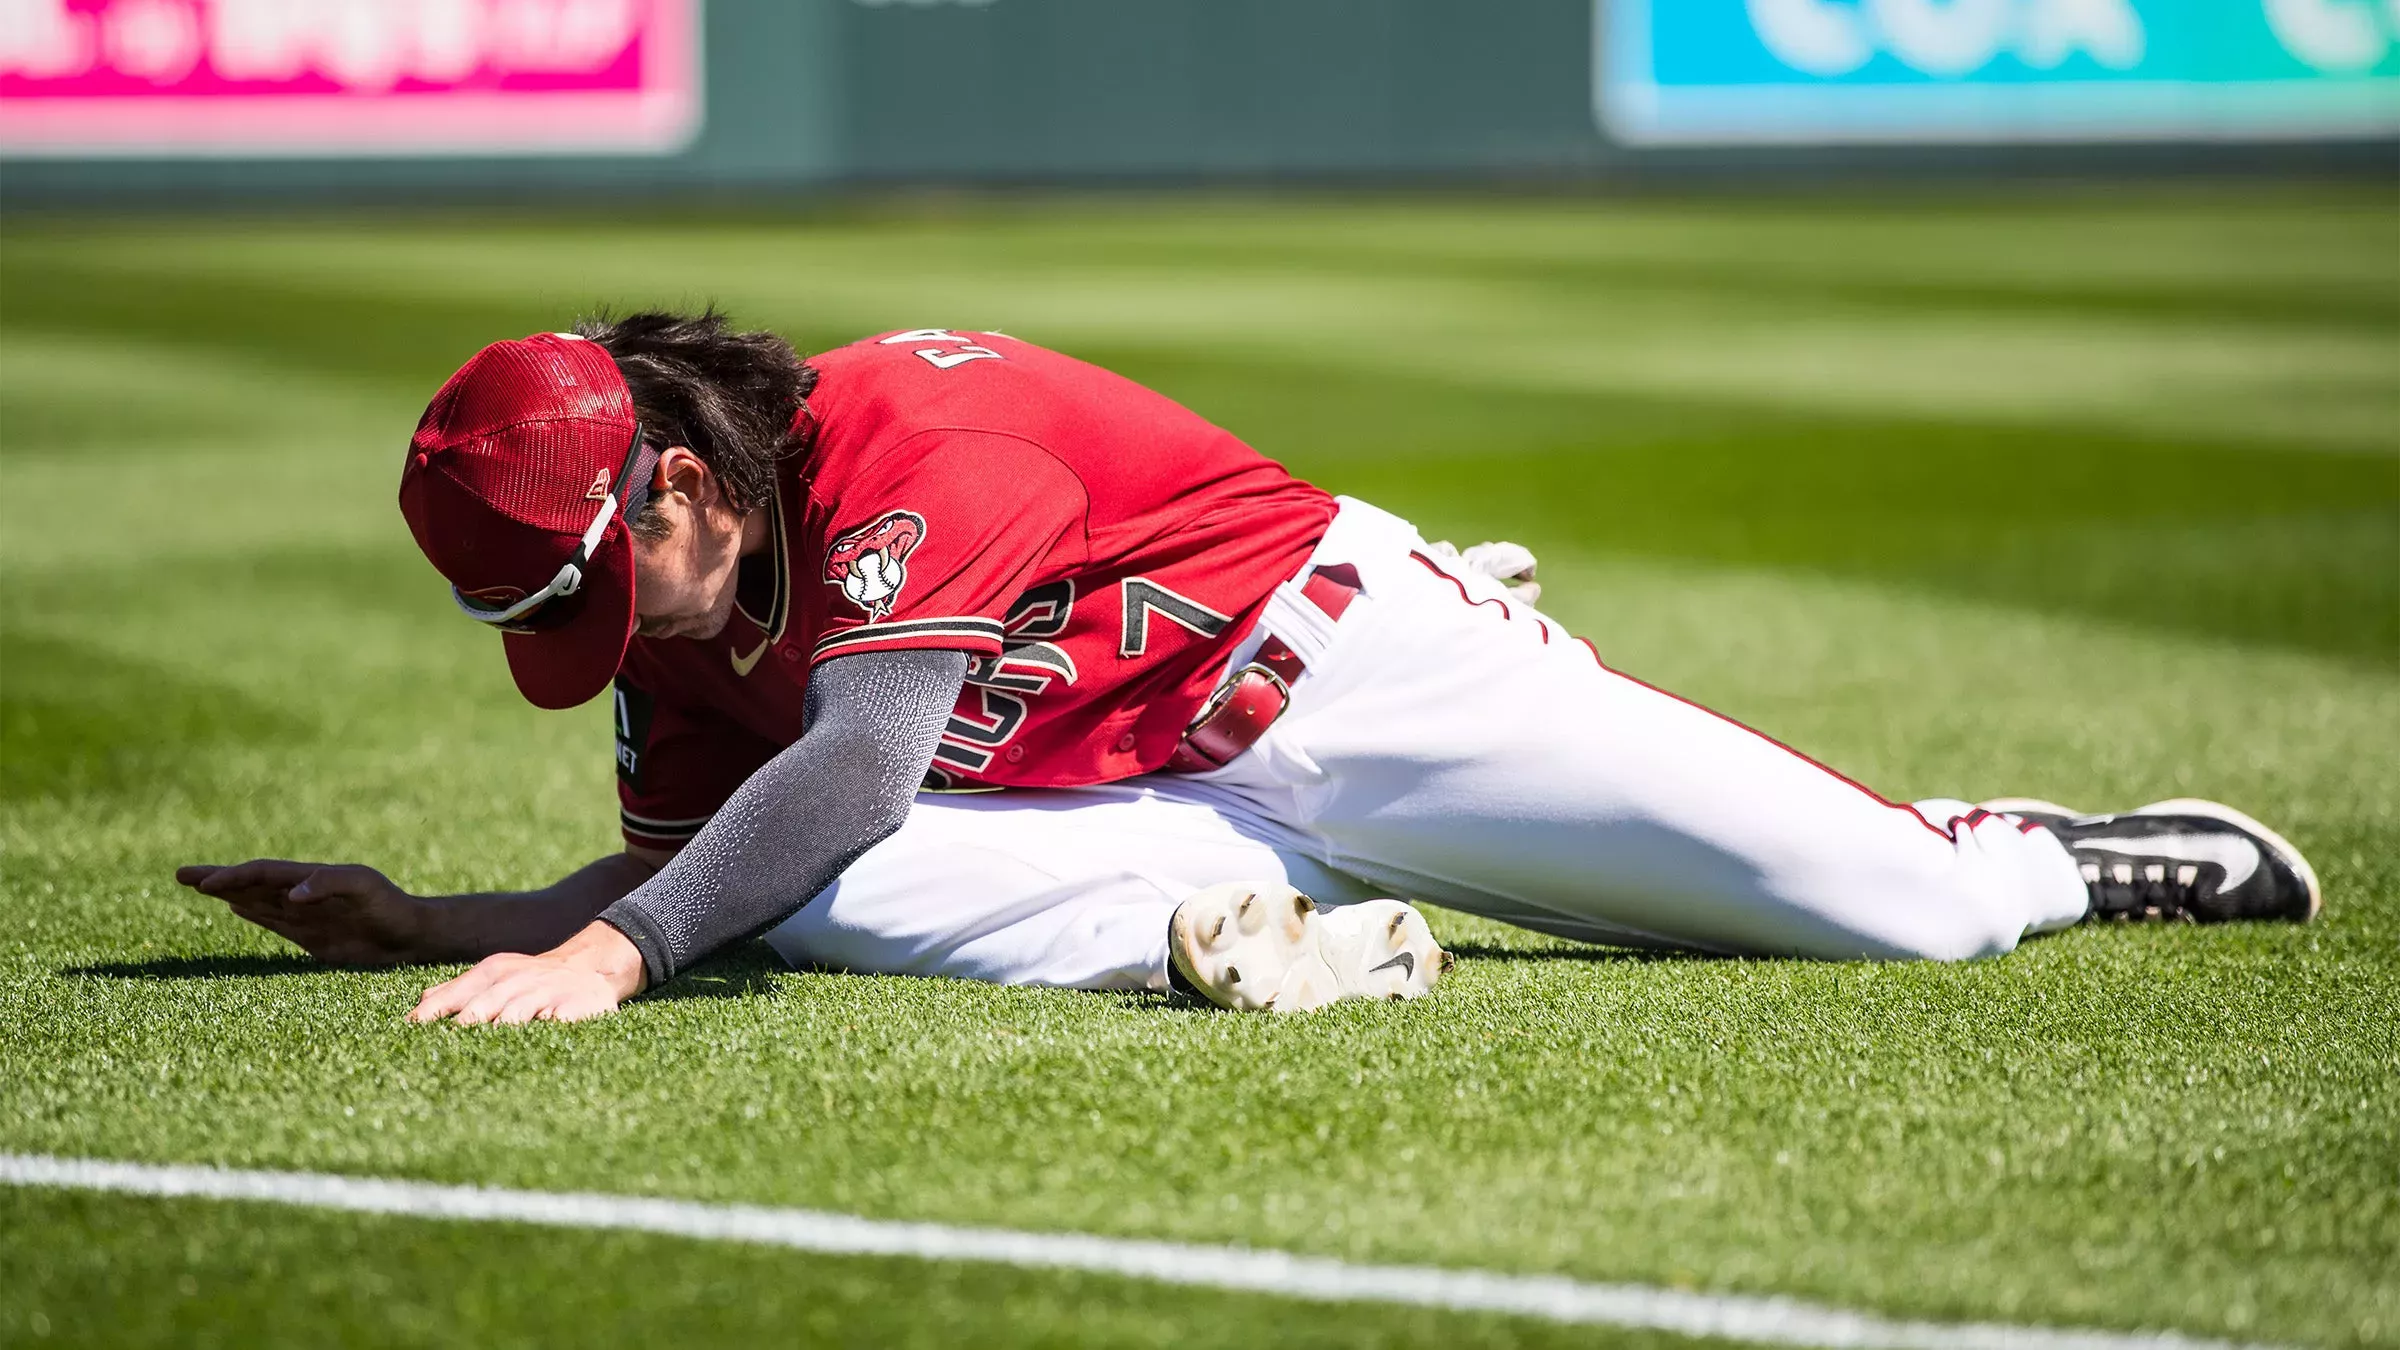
(633, 732)
(870, 563)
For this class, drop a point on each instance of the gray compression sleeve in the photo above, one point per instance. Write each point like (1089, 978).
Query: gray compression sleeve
(870, 726)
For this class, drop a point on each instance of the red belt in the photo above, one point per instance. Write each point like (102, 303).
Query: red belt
(1253, 697)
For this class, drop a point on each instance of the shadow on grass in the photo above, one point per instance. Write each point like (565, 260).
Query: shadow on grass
(247, 966)
(750, 971)
(739, 974)
(744, 972)
(1476, 951)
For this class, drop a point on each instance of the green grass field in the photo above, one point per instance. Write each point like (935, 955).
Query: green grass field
(2091, 495)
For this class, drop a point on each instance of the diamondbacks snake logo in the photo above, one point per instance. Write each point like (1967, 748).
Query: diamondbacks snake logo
(870, 563)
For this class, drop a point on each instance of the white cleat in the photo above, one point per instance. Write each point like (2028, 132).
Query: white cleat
(1269, 948)
(2029, 808)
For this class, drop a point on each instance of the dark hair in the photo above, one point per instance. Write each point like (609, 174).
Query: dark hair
(726, 395)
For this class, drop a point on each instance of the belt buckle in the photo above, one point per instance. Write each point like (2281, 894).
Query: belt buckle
(1232, 685)
(1208, 745)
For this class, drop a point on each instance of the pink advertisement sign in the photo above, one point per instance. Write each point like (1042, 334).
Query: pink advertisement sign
(348, 77)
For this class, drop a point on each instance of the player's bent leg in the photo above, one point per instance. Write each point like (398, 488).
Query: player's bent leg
(1069, 888)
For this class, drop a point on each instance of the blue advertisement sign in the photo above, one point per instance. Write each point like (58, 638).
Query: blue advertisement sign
(1736, 72)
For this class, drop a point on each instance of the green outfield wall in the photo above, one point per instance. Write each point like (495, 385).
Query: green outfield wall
(780, 94)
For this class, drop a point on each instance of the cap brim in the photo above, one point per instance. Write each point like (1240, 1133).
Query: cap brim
(567, 666)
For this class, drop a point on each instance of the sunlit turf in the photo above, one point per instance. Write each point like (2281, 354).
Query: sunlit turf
(2091, 498)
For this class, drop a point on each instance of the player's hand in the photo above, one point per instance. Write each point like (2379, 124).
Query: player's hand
(341, 914)
(587, 976)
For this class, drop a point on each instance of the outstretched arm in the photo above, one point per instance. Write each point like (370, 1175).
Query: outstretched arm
(872, 725)
(347, 915)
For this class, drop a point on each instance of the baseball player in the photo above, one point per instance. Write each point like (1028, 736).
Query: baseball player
(945, 654)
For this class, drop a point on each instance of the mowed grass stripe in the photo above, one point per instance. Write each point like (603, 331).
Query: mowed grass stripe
(1938, 311)
(1774, 1321)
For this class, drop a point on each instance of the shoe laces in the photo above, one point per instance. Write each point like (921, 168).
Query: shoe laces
(2129, 889)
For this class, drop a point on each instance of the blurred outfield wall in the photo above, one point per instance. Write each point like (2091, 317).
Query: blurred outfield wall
(225, 99)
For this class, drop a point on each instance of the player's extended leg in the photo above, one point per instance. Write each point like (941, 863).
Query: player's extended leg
(1456, 747)
(1070, 888)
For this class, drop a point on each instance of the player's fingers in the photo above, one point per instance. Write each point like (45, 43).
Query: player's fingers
(338, 879)
(449, 996)
(278, 873)
(253, 904)
(439, 1002)
(580, 1007)
(199, 876)
(270, 918)
(537, 1001)
(256, 879)
(487, 1003)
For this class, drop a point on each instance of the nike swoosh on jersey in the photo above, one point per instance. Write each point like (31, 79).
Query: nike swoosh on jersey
(741, 663)
(2238, 857)
(1407, 961)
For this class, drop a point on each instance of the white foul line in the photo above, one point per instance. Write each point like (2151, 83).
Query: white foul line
(1738, 1317)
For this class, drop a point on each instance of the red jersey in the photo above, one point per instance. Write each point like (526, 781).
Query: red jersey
(1094, 547)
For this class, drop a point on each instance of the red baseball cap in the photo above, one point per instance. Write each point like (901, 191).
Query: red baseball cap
(520, 481)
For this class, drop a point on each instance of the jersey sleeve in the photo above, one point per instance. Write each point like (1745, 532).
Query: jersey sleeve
(930, 544)
(676, 764)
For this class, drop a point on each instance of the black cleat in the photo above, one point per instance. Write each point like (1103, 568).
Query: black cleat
(2186, 860)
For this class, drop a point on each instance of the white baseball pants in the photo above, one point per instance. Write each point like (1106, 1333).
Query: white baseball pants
(1450, 744)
